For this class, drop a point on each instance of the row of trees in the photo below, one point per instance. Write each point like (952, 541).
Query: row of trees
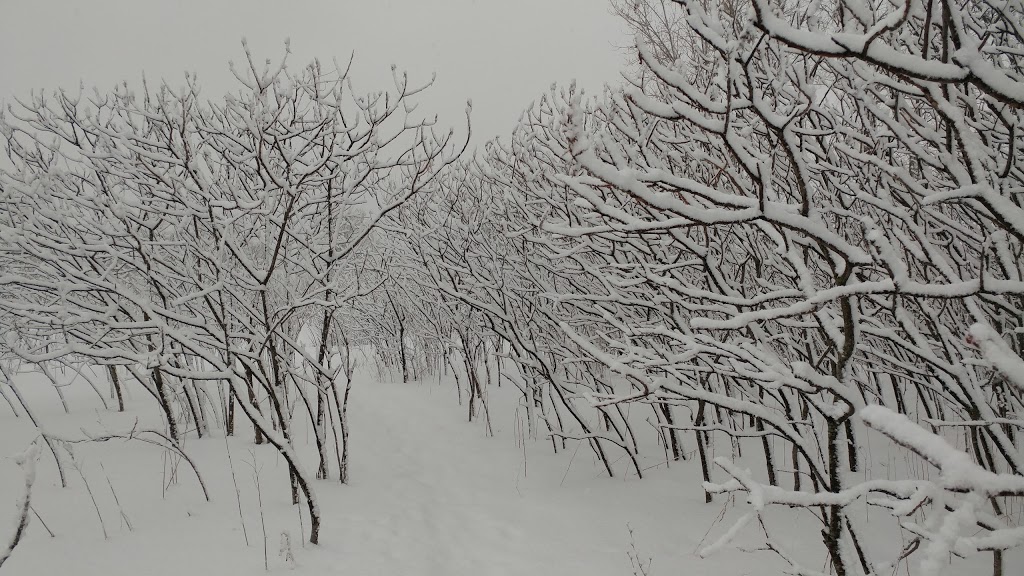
(800, 225)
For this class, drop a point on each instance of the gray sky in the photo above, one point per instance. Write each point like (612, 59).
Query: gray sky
(500, 53)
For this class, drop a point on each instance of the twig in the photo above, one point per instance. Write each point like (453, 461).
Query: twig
(77, 465)
(124, 517)
(40, 518)
(259, 495)
(238, 494)
(570, 462)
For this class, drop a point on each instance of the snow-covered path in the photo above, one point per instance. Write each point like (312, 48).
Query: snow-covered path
(429, 505)
(432, 495)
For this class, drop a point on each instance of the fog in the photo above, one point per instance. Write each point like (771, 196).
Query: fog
(501, 55)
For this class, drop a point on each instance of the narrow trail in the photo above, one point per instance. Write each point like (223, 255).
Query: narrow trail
(434, 495)
(431, 495)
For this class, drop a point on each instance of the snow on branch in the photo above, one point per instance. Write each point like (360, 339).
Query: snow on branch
(958, 470)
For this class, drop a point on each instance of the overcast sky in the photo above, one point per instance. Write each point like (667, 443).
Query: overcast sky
(500, 53)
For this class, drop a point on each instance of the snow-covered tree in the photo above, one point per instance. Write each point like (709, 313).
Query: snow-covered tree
(198, 242)
(801, 225)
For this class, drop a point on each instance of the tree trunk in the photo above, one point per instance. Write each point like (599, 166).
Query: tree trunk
(116, 383)
(705, 473)
(229, 418)
(673, 434)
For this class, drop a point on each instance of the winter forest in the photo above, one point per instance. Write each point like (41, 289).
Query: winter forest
(757, 308)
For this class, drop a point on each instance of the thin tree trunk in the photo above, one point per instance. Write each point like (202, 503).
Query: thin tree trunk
(705, 473)
(672, 433)
(116, 383)
(229, 418)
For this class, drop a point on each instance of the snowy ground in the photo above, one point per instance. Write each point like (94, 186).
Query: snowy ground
(429, 495)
